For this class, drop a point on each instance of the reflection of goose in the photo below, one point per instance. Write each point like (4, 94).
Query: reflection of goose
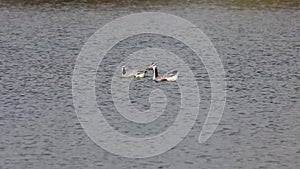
(136, 74)
(169, 76)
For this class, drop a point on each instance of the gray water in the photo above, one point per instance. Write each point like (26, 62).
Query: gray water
(259, 48)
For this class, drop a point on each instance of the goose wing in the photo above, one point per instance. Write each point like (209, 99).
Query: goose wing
(140, 72)
(171, 73)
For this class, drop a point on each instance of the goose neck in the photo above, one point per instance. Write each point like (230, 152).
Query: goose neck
(123, 71)
(155, 73)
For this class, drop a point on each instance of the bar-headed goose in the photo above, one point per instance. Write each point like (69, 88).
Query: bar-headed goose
(136, 74)
(169, 76)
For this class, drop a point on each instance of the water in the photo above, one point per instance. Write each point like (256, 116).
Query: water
(259, 48)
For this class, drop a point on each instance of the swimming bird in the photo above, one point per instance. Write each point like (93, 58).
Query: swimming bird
(169, 76)
(135, 74)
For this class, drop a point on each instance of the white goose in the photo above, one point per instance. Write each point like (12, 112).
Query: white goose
(136, 74)
(169, 76)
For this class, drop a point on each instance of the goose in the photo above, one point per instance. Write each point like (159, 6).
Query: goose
(169, 76)
(136, 74)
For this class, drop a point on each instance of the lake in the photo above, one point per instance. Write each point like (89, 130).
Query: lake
(258, 45)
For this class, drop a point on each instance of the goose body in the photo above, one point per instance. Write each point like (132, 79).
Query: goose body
(135, 74)
(169, 76)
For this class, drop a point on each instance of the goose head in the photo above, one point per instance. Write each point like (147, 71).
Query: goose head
(151, 66)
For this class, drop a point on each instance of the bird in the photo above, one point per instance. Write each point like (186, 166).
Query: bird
(170, 76)
(135, 74)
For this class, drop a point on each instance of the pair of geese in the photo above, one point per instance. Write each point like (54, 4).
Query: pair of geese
(169, 76)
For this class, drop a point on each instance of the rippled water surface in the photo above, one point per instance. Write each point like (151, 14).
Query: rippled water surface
(259, 48)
